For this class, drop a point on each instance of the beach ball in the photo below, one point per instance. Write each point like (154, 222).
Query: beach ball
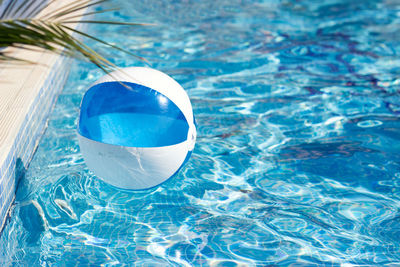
(136, 128)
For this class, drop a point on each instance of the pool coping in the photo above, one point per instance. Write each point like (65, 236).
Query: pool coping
(28, 93)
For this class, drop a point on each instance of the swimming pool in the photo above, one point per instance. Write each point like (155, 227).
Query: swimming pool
(297, 158)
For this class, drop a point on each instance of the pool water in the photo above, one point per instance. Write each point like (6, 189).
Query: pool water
(297, 158)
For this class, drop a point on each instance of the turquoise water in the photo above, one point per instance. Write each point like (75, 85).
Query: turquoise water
(297, 159)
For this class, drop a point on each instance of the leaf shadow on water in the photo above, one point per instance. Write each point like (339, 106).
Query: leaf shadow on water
(356, 159)
(28, 212)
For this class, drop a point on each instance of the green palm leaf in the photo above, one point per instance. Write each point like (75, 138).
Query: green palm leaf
(20, 28)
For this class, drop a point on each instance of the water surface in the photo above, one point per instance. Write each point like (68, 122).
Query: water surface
(297, 159)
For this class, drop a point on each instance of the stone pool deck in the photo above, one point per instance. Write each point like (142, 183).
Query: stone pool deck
(28, 93)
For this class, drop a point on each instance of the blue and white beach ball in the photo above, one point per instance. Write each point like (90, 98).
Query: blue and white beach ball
(136, 128)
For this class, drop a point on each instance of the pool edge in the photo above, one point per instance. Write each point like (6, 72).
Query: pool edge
(28, 94)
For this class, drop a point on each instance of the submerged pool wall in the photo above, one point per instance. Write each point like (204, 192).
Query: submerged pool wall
(30, 130)
(28, 93)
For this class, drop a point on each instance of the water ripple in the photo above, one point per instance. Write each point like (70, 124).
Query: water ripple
(297, 157)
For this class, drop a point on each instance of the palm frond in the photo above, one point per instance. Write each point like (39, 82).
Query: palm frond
(72, 7)
(52, 31)
(90, 13)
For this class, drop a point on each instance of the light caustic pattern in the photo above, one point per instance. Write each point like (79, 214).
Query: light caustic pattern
(297, 159)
